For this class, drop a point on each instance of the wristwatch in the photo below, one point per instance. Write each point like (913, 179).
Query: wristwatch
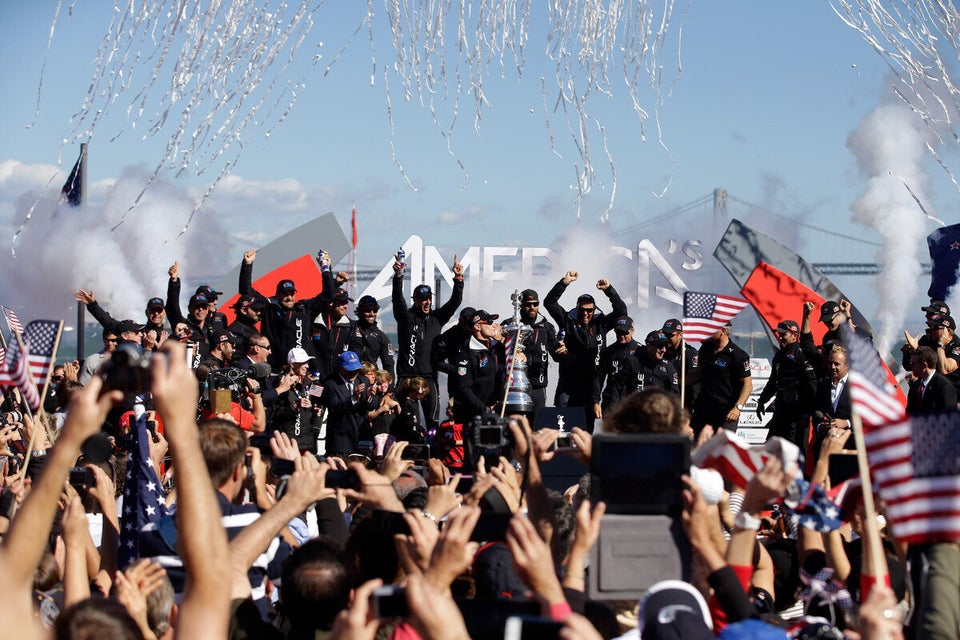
(741, 407)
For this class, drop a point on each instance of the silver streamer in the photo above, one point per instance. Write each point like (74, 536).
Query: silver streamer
(203, 76)
(920, 42)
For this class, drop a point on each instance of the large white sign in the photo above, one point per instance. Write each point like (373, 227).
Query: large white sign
(651, 271)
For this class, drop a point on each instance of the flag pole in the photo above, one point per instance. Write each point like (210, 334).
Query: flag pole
(683, 370)
(81, 308)
(26, 408)
(875, 562)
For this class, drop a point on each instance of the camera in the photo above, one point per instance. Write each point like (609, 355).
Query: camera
(389, 601)
(127, 370)
(488, 437)
(82, 477)
(224, 386)
(11, 417)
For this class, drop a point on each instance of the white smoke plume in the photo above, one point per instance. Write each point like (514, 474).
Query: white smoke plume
(67, 248)
(890, 146)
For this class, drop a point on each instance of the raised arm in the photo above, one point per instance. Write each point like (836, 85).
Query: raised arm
(552, 300)
(30, 529)
(450, 307)
(174, 313)
(202, 540)
(100, 314)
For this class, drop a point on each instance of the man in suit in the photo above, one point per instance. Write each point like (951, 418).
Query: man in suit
(347, 399)
(930, 391)
(832, 402)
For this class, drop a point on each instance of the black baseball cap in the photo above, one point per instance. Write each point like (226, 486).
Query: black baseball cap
(484, 317)
(936, 307)
(341, 296)
(286, 287)
(657, 339)
(785, 326)
(154, 303)
(624, 324)
(829, 309)
(128, 325)
(248, 300)
(208, 291)
(368, 302)
(671, 327)
(422, 291)
(529, 295)
(198, 300)
(942, 321)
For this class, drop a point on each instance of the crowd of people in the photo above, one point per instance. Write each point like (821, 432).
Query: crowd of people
(299, 481)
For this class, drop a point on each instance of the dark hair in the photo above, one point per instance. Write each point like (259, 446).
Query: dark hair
(47, 573)
(652, 410)
(315, 585)
(927, 355)
(96, 619)
(223, 445)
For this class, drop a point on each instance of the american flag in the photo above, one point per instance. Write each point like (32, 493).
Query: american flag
(15, 372)
(873, 395)
(706, 313)
(814, 509)
(916, 465)
(41, 337)
(143, 500)
(736, 460)
(13, 322)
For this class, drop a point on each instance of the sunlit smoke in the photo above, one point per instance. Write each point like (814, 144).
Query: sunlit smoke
(890, 145)
(68, 248)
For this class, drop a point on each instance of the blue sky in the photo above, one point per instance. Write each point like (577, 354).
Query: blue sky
(768, 96)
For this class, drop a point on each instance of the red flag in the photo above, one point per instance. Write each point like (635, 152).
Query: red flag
(777, 296)
(916, 465)
(705, 313)
(353, 225)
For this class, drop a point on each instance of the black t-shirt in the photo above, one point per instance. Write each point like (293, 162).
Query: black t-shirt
(722, 373)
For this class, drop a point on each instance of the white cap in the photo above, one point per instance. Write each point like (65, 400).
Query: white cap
(297, 355)
(710, 483)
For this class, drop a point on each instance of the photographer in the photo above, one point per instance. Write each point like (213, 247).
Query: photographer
(234, 392)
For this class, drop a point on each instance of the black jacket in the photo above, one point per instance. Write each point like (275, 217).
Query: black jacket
(538, 348)
(416, 332)
(372, 345)
(288, 328)
(792, 381)
(939, 396)
(584, 342)
(478, 380)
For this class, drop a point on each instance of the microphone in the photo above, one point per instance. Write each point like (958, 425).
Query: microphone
(259, 370)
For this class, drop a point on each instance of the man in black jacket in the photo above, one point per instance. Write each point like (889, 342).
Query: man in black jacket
(247, 309)
(539, 347)
(793, 382)
(480, 376)
(417, 327)
(368, 340)
(286, 321)
(613, 381)
(585, 335)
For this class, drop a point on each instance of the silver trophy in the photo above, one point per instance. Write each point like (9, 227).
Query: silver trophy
(516, 333)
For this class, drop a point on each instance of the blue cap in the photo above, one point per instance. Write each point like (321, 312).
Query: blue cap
(349, 361)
